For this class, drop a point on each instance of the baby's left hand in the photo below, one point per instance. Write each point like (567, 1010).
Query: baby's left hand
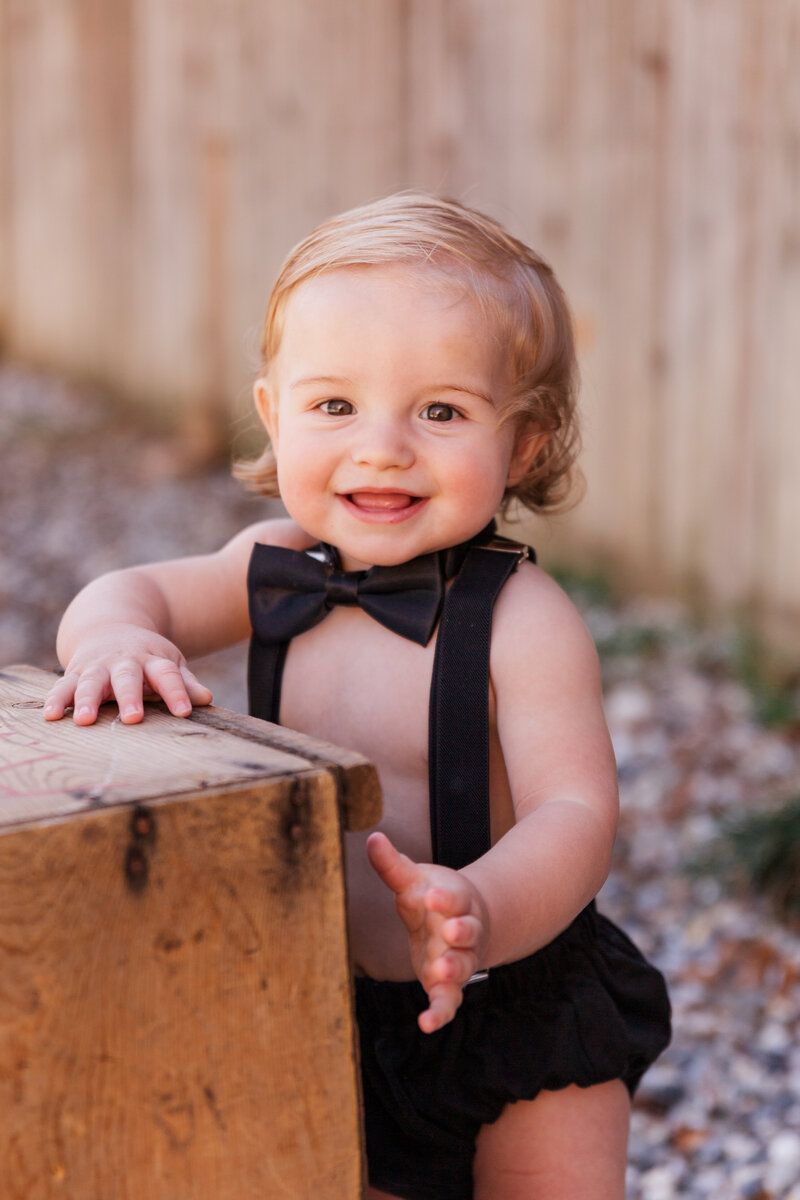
(447, 923)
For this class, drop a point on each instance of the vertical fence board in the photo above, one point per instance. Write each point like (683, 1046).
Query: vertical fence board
(5, 181)
(319, 127)
(775, 386)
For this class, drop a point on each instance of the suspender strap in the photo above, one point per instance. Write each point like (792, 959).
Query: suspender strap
(264, 676)
(458, 731)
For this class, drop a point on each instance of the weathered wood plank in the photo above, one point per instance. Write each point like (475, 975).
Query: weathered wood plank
(189, 1036)
(175, 995)
(359, 787)
(52, 770)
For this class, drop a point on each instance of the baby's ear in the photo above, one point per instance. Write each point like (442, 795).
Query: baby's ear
(266, 406)
(528, 444)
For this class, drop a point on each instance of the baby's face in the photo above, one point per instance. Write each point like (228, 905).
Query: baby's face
(383, 405)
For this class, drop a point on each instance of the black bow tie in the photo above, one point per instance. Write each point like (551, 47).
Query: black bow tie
(291, 591)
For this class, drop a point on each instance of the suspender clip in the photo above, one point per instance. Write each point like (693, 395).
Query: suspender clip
(507, 546)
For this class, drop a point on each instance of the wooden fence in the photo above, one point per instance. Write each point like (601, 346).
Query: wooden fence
(159, 156)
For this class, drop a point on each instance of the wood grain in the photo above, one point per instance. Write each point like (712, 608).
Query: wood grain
(359, 788)
(175, 994)
(53, 769)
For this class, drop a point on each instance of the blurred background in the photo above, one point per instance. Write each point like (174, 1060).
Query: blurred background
(158, 158)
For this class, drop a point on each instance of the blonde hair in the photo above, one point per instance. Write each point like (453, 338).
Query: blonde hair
(515, 288)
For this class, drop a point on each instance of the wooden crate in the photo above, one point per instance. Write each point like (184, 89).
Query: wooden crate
(175, 994)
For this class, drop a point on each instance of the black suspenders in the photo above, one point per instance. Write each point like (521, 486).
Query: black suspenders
(265, 665)
(458, 729)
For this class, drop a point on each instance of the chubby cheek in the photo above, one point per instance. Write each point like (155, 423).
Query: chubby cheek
(301, 479)
(479, 481)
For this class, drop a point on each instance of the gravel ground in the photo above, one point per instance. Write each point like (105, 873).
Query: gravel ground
(83, 491)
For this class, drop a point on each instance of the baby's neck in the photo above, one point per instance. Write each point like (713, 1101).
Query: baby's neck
(452, 555)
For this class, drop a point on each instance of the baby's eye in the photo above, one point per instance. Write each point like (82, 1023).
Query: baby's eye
(337, 407)
(440, 412)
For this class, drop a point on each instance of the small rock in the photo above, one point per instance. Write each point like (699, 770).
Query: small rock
(774, 1038)
(687, 1139)
(739, 1148)
(629, 705)
(659, 1183)
(783, 1152)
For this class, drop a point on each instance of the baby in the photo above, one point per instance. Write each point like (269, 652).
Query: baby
(418, 376)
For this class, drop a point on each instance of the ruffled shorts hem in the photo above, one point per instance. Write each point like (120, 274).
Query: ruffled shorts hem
(586, 1009)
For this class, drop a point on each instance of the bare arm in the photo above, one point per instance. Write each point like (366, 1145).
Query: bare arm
(561, 770)
(560, 765)
(128, 631)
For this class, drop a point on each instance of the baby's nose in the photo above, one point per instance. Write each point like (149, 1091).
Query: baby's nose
(384, 444)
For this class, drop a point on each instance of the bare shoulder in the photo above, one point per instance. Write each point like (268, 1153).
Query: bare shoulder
(228, 566)
(546, 680)
(220, 578)
(536, 625)
(278, 531)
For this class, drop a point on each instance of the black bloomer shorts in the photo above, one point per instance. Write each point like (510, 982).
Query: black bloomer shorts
(585, 1009)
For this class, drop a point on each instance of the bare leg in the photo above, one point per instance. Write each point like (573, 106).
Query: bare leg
(565, 1145)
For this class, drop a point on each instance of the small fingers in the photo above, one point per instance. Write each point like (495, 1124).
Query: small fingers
(177, 686)
(59, 698)
(451, 967)
(462, 933)
(444, 982)
(450, 901)
(91, 690)
(444, 1001)
(396, 870)
(166, 679)
(197, 692)
(127, 685)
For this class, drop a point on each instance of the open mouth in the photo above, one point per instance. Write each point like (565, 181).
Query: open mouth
(383, 505)
(382, 501)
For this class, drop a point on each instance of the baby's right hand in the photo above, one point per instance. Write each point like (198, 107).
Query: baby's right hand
(124, 662)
